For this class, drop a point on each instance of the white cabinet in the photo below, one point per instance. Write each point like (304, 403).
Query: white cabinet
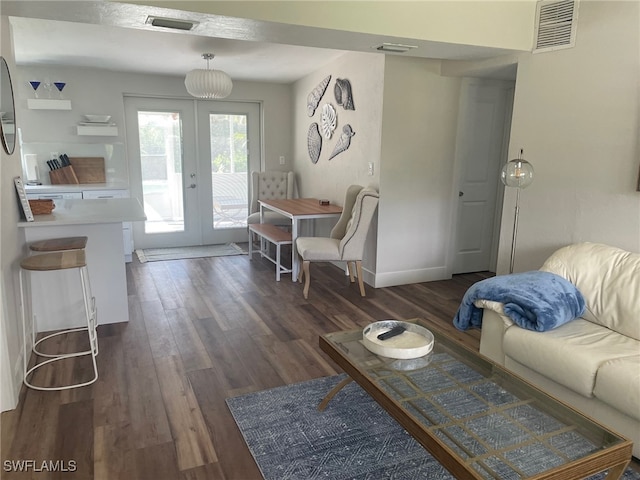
(127, 232)
(105, 193)
(53, 196)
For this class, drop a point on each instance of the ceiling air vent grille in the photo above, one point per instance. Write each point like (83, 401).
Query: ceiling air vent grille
(556, 23)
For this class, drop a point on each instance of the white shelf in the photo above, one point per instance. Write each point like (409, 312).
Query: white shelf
(48, 104)
(105, 131)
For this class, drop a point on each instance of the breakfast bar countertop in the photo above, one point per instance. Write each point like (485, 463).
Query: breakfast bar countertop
(100, 220)
(89, 211)
(81, 187)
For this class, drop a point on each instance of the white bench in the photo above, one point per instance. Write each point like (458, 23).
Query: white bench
(277, 236)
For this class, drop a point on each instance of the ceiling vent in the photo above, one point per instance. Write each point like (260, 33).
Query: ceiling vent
(172, 23)
(394, 47)
(556, 23)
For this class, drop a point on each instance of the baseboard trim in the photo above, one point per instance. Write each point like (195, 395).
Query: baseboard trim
(11, 392)
(391, 279)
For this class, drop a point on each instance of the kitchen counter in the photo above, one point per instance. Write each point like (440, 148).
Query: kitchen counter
(57, 295)
(75, 188)
(90, 211)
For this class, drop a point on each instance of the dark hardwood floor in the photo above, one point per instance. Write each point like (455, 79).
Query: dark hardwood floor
(200, 331)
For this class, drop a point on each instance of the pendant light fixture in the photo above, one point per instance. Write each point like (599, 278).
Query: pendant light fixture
(208, 83)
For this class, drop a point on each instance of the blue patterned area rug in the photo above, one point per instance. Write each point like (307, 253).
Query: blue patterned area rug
(354, 438)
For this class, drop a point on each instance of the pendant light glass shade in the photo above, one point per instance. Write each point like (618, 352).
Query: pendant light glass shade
(517, 173)
(208, 83)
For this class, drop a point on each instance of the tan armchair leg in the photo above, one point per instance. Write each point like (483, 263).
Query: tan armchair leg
(301, 271)
(350, 267)
(307, 278)
(359, 273)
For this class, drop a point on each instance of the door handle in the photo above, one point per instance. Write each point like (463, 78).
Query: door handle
(460, 194)
(193, 185)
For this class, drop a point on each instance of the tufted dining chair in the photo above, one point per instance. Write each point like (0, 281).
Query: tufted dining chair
(346, 240)
(266, 186)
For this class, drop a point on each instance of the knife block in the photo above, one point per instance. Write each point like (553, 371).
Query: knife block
(65, 175)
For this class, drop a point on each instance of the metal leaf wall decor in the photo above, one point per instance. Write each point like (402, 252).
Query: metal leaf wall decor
(342, 92)
(314, 142)
(344, 141)
(313, 99)
(329, 120)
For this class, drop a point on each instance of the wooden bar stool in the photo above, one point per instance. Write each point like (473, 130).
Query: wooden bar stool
(52, 261)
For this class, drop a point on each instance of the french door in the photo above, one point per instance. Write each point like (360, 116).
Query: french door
(190, 164)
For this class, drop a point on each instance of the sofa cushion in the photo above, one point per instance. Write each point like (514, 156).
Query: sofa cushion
(571, 354)
(609, 280)
(618, 384)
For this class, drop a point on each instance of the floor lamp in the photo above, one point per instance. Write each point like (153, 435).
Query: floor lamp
(516, 173)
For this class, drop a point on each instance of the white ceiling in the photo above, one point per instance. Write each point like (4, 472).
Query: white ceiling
(50, 42)
(114, 36)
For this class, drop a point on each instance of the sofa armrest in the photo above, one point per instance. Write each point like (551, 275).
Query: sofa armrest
(494, 326)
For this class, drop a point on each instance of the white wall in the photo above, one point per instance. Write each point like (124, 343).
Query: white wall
(330, 178)
(576, 116)
(94, 91)
(11, 250)
(418, 148)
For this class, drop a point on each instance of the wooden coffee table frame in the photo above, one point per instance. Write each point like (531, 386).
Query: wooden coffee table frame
(614, 457)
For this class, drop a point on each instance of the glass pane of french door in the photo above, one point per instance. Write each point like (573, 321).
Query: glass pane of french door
(161, 171)
(229, 133)
(229, 174)
(161, 146)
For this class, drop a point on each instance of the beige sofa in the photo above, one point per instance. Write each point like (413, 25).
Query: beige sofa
(593, 362)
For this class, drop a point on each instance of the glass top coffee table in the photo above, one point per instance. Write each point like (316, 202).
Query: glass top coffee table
(476, 418)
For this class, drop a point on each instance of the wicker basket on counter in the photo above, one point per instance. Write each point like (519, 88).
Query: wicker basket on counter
(41, 207)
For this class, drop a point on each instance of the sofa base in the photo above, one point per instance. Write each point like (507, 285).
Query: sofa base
(494, 327)
(592, 407)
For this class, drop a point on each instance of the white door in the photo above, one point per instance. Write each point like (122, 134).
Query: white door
(189, 164)
(483, 135)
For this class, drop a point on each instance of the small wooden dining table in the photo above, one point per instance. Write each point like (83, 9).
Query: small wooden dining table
(298, 209)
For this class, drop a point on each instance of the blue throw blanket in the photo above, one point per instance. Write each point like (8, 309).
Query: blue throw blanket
(533, 300)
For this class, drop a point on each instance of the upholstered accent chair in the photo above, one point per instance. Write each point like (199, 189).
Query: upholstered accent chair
(266, 186)
(346, 240)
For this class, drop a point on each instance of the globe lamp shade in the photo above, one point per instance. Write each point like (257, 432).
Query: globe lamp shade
(517, 173)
